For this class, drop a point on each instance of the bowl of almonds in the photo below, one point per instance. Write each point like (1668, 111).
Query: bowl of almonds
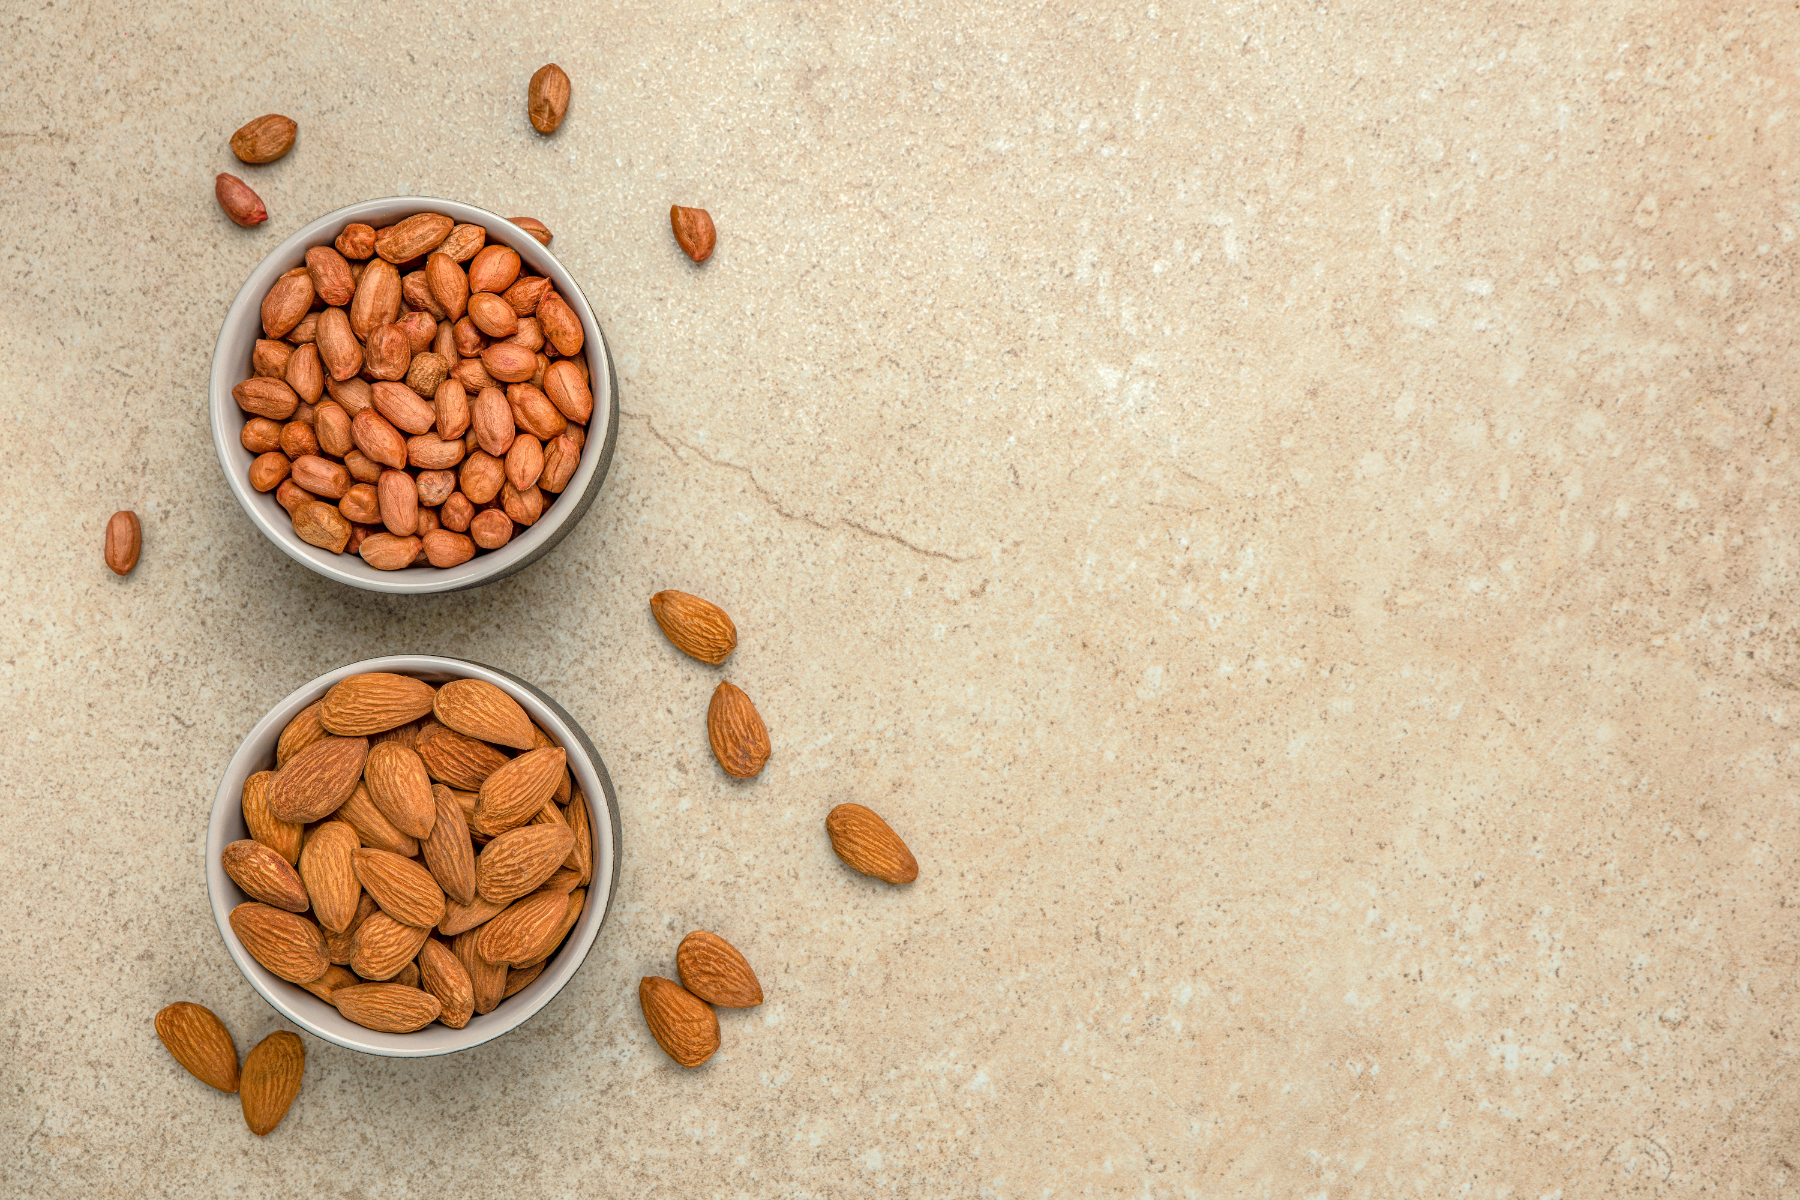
(412, 395)
(412, 855)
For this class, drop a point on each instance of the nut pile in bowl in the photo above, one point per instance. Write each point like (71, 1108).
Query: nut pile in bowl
(418, 854)
(414, 398)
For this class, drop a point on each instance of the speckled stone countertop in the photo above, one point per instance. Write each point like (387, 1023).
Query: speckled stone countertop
(1288, 508)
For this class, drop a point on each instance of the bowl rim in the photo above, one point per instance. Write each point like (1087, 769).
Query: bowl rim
(256, 752)
(227, 419)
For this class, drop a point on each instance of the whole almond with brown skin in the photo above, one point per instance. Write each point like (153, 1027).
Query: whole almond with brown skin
(740, 740)
(566, 388)
(199, 1041)
(336, 976)
(263, 875)
(406, 240)
(712, 969)
(299, 733)
(448, 851)
(378, 439)
(286, 943)
(461, 918)
(698, 628)
(494, 269)
(286, 303)
(339, 350)
(514, 936)
(283, 837)
(265, 139)
(694, 231)
(327, 867)
(512, 795)
(124, 541)
(478, 709)
(536, 228)
(383, 945)
(462, 762)
(374, 829)
(377, 299)
(547, 99)
(683, 1025)
(517, 861)
(241, 204)
(320, 524)
(330, 276)
(488, 980)
(271, 1080)
(866, 843)
(337, 945)
(373, 702)
(319, 778)
(442, 974)
(400, 788)
(404, 889)
(581, 827)
(520, 978)
(552, 943)
(271, 398)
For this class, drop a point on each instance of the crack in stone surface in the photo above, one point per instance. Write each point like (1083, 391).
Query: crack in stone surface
(676, 445)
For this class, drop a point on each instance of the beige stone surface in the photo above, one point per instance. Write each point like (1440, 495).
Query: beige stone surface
(1289, 508)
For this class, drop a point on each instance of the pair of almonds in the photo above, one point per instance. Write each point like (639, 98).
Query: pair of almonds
(269, 1079)
(680, 1015)
(702, 630)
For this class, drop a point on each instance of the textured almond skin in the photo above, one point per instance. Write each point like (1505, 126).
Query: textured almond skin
(404, 890)
(547, 99)
(581, 826)
(242, 205)
(866, 843)
(388, 1007)
(488, 980)
(740, 740)
(694, 231)
(124, 541)
(478, 709)
(461, 918)
(408, 239)
(373, 828)
(283, 837)
(264, 875)
(337, 945)
(318, 779)
(400, 788)
(462, 762)
(374, 702)
(712, 969)
(517, 861)
(335, 977)
(552, 943)
(513, 937)
(300, 733)
(199, 1041)
(443, 975)
(265, 139)
(683, 1025)
(287, 944)
(513, 794)
(271, 1080)
(448, 851)
(698, 628)
(520, 978)
(326, 867)
(383, 946)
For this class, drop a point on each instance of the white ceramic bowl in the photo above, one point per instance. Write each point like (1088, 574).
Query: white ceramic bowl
(231, 366)
(319, 1018)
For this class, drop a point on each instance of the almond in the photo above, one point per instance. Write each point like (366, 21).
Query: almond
(383, 945)
(331, 277)
(461, 918)
(698, 628)
(740, 741)
(319, 778)
(283, 837)
(406, 735)
(513, 794)
(513, 937)
(269, 398)
(373, 702)
(562, 328)
(563, 879)
(536, 228)
(577, 901)
(377, 299)
(448, 851)
(547, 99)
(568, 390)
(264, 875)
(271, 1080)
(712, 969)
(509, 363)
(327, 867)
(299, 733)
(462, 762)
(418, 234)
(400, 787)
(124, 541)
(442, 974)
(494, 269)
(199, 1041)
(322, 525)
(287, 944)
(682, 1024)
(865, 842)
(286, 303)
(517, 861)
(486, 979)
(481, 710)
(337, 945)
(241, 204)
(694, 231)
(339, 350)
(404, 889)
(373, 828)
(265, 139)
(388, 1007)
(580, 827)
(520, 978)
(335, 977)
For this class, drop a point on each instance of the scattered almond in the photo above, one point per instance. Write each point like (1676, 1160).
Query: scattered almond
(199, 1041)
(271, 1080)
(712, 969)
(740, 740)
(696, 627)
(866, 843)
(682, 1024)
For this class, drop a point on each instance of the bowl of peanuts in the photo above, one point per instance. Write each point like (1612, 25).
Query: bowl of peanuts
(412, 395)
(412, 855)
